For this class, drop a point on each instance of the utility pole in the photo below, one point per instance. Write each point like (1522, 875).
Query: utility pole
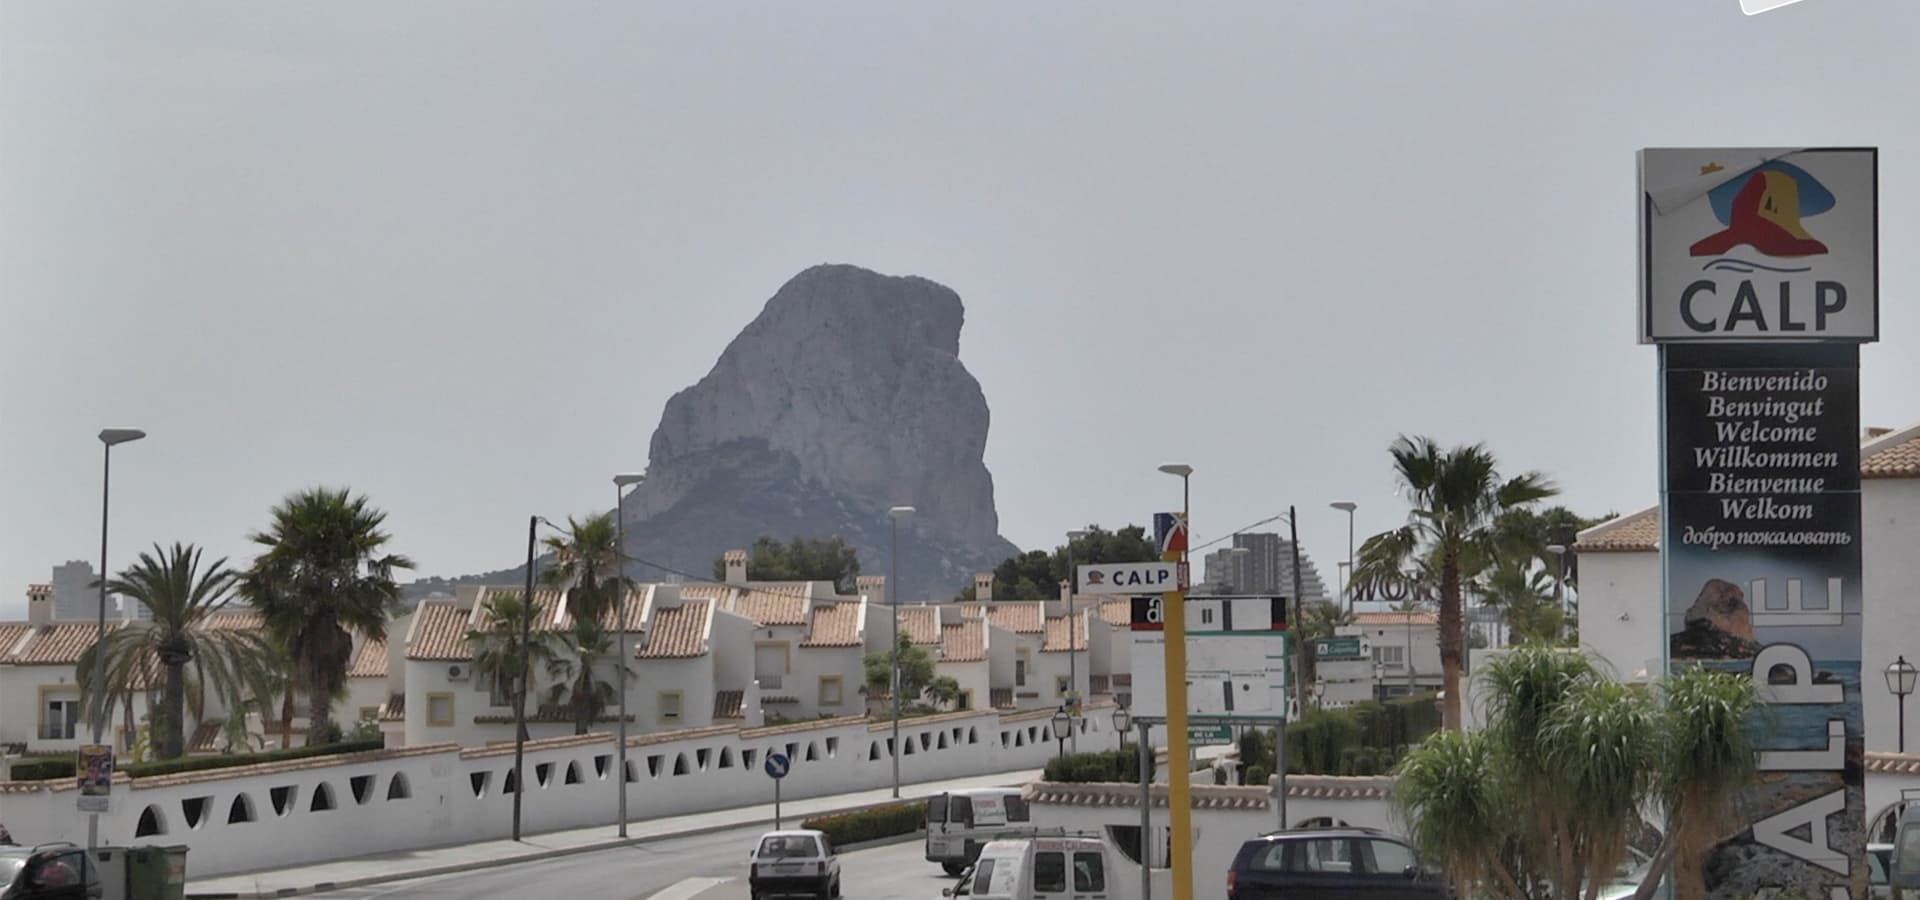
(1293, 626)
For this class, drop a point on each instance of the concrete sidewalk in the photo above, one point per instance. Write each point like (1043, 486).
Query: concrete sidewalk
(410, 864)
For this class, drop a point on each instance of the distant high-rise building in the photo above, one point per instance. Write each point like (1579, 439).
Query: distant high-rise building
(76, 596)
(1268, 567)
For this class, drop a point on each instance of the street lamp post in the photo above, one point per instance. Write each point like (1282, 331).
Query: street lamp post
(620, 485)
(894, 516)
(1174, 621)
(1073, 639)
(1122, 721)
(1062, 723)
(1348, 506)
(108, 438)
(1900, 679)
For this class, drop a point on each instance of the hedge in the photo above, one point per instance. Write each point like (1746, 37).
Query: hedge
(56, 767)
(871, 824)
(1122, 765)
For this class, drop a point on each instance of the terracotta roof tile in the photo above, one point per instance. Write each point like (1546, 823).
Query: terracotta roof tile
(1209, 796)
(548, 713)
(1020, 618)
(370, 661)
(964, 641)
(1421, 617)
(39, 590)
(205, 738)
(235, 620)
(10, 634)
(1638, 532)
(1895, 456)
(395, 709)
(679, 632)
(729, 704)
(60, 643)
(775, 603)
(1061, 636)
(1117, 611)
(636, 610)
(835, 625)
(920, 623)
(439, 632)
(1893, 763)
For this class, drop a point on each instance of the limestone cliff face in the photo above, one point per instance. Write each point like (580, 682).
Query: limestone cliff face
(844, 397)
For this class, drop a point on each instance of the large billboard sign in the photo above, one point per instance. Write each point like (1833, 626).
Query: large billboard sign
(1759, 283)
(1759, 245)
(1236, 658)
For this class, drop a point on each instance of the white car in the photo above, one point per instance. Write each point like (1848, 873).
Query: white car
(794, 863)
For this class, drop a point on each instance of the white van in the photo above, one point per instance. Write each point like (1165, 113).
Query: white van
(959, 823)
(1044, 868)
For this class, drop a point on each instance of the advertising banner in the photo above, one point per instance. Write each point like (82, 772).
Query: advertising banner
(95, 771)
(1761, 551)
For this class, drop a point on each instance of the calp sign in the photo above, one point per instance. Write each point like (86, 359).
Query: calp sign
(1129, 578)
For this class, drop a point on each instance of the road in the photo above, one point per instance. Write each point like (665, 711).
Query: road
(640, 871)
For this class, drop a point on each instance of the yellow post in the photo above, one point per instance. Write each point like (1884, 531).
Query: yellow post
(1179, 804)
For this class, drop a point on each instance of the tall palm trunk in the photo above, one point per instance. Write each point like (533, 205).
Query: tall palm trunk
(172, 739)
(319, 705)
(1452, 641)
(286, 718)
(583, 701)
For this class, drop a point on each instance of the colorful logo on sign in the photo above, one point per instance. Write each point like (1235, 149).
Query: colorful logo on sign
(1763, 210)
(1096, 577)
(1170, 532)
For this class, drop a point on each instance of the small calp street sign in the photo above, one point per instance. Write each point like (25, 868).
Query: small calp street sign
(1132, 578)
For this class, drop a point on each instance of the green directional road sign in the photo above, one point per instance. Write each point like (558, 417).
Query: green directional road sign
(1209, 735)
(1345, 647)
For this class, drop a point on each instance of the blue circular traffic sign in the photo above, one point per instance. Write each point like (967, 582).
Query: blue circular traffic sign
(778, 765)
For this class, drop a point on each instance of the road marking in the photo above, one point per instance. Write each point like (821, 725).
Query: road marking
(688, 888)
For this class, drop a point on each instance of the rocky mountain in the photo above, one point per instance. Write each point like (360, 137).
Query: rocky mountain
(844, 397)
(1718, 625)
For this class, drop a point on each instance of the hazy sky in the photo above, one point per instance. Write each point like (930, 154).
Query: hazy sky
(457, 255)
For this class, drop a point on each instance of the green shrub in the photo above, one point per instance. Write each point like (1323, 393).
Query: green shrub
(1122, 766)
(1259, 775)
(871, 824)
(41, 768)
(55, 767)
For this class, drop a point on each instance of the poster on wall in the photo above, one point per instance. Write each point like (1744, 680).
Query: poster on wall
(1759, 282)
(95, 771)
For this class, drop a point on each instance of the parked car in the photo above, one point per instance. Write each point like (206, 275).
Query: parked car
(1038, 868)
(787, 863)
(48, 872)
(1332, 864)
(1879, 864)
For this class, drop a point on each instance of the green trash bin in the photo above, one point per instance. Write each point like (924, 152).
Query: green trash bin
(157, 873)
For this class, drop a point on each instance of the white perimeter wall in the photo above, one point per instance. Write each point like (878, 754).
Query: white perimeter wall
(455, 796)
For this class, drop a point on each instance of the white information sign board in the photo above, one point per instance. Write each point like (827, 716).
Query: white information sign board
(1236, 658)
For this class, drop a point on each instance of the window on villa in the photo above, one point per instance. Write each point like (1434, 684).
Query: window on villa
(1061, 685)
(966, 700)
(832, 690)
(369, 713)
(1020, 671)
(62, 720)
(1391, 656)
(770, 664)
(669, 706)
(440, 709)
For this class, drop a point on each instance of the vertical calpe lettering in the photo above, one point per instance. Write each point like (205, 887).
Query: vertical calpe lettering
(1761, 550)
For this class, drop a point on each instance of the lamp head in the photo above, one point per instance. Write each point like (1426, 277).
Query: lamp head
(112, 436)
(629, 479)
(900, 512)
(1344, 505)
(1180, 469)
(1556, 549)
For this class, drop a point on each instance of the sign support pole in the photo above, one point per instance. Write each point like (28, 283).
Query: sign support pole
(776, 804)
(1179, 802)
(1280, 771)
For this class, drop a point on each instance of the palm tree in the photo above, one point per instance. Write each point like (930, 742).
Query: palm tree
(1549, 793)
(179, 644)
(497, 651)
(574, 663)
(1523, 593)
(324, 575)
(1451, 535)
(586, 561)
(1706, 758)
